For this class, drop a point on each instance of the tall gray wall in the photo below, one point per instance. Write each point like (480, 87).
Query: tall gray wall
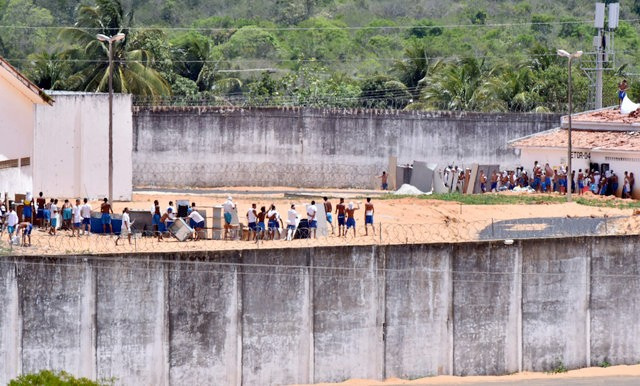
(213, 146)
(281, 316)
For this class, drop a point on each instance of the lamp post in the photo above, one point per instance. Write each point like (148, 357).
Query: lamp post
(570, 57)
(110, 40)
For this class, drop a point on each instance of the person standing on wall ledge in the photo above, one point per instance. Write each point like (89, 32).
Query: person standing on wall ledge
(328, 209)
(40, 202)
(340, 210)
(383, 179)
(197, 223)
(156, 217)
(85, 212)
(312, 211)
(27, 208)
(107, 211)
(125, 230)
(368, 217)
(351, 220)
(77, 218)
(228, 207)
(622, 91)
(252, 219)
(12, 222)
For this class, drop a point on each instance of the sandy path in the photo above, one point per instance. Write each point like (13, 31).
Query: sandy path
(613, 371)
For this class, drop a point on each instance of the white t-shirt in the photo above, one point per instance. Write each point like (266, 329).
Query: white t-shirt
(311, 212)
(76, 214)
(85, 211)
(271, 213)
(251, 215)
(228, 206)
(292, 216)
(54, 209)
(195, 216)
(12, 219)
(126, 221)
(171, 217)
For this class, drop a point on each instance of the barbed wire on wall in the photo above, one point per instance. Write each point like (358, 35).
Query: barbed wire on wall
(241, 238)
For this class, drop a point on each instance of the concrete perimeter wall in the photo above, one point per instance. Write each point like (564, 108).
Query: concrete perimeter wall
(217, 146)
(281, 316)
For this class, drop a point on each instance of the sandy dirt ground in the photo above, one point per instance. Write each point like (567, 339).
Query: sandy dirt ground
(397, 221)
(591, 372)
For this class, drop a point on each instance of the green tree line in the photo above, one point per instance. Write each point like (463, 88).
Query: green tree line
(484, 55)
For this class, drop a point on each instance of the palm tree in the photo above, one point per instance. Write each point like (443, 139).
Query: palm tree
(466, 84)
(132, 72)
(48, 71)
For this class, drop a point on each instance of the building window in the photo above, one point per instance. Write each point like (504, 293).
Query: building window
(629, 159)
(10, 163)
(26, 161)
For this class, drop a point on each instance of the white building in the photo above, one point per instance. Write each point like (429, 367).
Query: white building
(600, 140)
(61, 148)
(18, 100)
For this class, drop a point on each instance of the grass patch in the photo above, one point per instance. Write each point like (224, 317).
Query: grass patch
(485, 199)
(520, 199)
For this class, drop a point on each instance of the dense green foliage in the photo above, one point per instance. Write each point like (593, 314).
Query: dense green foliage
(50, 378)
(484, 55)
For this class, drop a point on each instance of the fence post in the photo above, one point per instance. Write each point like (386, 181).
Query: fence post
(380, 231)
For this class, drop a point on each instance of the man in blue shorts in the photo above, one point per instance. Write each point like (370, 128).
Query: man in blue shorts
(85, 212)
(27, 210)
(340, 210)
(275, 221)
(26, 228)
(252, 219)
(41, 203)
(76, 218)
(107, 211)
(351, 220)
(368, 217)
(328, 209)
(228, 207)
(312, 210)
(292, 220)
(12, 222)
(197, 222)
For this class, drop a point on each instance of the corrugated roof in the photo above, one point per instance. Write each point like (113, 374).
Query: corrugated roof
(582, 139)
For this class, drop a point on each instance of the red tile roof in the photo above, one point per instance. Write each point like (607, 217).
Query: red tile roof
(582, 139)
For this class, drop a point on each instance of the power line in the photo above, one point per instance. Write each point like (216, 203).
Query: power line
(347, 28)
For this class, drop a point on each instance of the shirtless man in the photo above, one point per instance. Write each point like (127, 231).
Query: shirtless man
(156, 219)
(368, 217)
(260, 225)
(328, 209)
(106, 210)
(548, 172)
(483, 182)
(580, 182)
(351, 220)
(494, 181)
(40, 202)
(275, 221)
(340, 210)
(383, 179)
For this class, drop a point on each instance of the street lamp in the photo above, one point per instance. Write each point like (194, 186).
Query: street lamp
(569, 56)
(110, 40)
